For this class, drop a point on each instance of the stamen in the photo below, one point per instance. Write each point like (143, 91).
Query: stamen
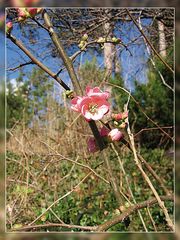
(93, 107)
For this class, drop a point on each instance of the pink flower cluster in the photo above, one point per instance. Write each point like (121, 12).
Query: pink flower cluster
(111, 135)
(120, 119)
(120, 116)
(93, 106)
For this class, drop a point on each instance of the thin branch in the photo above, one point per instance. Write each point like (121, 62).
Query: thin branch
(151, 170)
(152, 61)
(128, 184)
(160, 202)
(153, 128)
(125, 90)
(37, 62)
(20, 65)
(49, 225)
(152, 220)
(108, 224)
(39, 24)
(148, 41)
(95, 42)
(59, 199)
(67, 61)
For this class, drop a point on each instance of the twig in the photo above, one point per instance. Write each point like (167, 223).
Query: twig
(152, 61)
(59, 199)
(149, 129)
(160, 202)
(152, 220)
(128, 185)
(20, 65)
(37, 62)
(108, 224)
(38, 23)
(125, 90)
(49, 225)
(148, 41)
(67, 61)
(151, 170)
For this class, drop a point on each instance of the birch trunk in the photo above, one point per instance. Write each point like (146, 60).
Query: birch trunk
(108, 50)
(162, 39)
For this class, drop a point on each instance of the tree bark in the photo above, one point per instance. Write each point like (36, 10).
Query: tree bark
(162, 39)
(108, 47)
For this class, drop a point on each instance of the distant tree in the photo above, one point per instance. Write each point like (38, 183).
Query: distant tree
(27, 98)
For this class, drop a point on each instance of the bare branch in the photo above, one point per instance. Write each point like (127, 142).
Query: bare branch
(138, 164)
(20, 65)
(37, 62)
(105, 226)
(49, 225)
(148, 41)
(125, 90)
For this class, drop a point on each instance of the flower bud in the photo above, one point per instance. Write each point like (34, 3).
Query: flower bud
(85, 37)
(32, 11)
(92, 146)
(124, 115)
(9, 27)
(116, 123)
(21, 19)
(39, 10)
(81, 44)
(117, 116)
(22, 13)
(115, 135)
(104, 131)
(116, 40)
(123, 125)
(101, 40)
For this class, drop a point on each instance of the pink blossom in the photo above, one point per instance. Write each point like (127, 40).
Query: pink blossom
(93, 108)
(75, 104)
(90, 92)
(92, 146)
(115, 134)
(104, 131)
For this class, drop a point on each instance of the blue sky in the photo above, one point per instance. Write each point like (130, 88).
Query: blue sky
(133, 67)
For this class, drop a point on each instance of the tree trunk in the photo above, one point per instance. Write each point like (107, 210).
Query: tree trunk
(117, 67)
(162, 39)
(108, 50)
